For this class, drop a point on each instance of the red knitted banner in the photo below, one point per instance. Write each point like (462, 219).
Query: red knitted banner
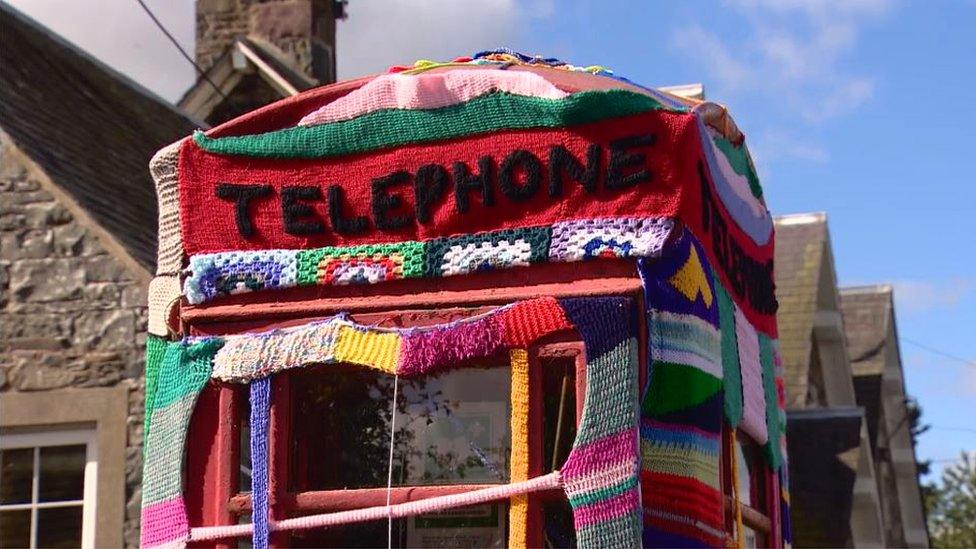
(209, 225)
(646, 165)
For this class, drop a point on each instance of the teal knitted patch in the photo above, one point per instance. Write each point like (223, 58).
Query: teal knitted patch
(731, 373)
(772, 449)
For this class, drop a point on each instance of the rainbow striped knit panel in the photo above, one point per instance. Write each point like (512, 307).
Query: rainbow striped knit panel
(682, 403)
(601, 475)
(182, 373)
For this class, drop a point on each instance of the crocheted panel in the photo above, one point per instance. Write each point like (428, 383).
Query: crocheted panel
(239, 272)
(620, 237)
(395, 127)
(487, 251)
(600, 474)
(225, 273)
(682, 404)
(736, 183)
(164, 168)
(182, 372)
(430, 91)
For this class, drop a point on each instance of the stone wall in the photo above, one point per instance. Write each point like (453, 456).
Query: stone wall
(71, 316)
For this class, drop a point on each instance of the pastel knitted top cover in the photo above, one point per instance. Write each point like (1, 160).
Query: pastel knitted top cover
(494, 161)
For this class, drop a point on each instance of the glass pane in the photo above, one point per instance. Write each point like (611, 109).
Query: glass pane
(59, 527)
(450, 429)
(559, 410)
(559, 429)
(16, 472)
(469, 527)
(62, 473)
(14, 529)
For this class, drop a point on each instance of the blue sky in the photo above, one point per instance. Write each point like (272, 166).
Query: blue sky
(859, 108)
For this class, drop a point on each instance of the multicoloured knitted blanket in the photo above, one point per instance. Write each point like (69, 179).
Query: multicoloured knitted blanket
(494, 161)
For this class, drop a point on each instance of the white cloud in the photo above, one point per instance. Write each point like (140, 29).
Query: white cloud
(121, 35)
(914, 296)
(793, 53)
(708, 49)
(380, 33)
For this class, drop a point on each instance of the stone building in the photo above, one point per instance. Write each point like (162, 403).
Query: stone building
(78, 224)
(853, 473)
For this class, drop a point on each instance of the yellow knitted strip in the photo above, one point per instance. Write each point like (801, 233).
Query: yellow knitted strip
(371, 349)
(735, 488)
(518, 511)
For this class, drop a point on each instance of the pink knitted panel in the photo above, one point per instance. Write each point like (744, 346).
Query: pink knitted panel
(753, 395)
(606, 510)
(427, 350)
(164, 522)
(430, 91)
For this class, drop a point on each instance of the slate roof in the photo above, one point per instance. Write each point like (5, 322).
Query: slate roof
(91, 129)
(867, 315)
(868, 312)
(800, 251)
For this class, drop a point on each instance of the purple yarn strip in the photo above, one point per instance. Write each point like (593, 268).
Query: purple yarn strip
(426, 351)
(260, 407)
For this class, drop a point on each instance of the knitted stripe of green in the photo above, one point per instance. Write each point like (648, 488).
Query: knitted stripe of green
(685, 336)
(772, 449)
(731, 373)
(619, 532)
(185, 370)
(609, 410)
(412, 252)
(604, 493)
(674, 387)
(394, 127)
(738, 158)
(155, 349)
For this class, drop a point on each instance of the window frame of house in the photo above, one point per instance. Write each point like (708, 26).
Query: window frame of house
(103, 411)
(52, 438)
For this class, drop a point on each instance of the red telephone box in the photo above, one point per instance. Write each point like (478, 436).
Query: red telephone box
(500, 301)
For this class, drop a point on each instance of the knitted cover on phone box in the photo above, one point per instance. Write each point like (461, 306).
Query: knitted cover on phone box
(498, 160)
(600, 475)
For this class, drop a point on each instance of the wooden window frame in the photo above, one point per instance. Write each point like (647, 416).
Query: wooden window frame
(38, 439)
(221, 477)
(213, 454)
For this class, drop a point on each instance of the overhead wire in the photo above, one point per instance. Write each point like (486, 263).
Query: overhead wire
(172, 39)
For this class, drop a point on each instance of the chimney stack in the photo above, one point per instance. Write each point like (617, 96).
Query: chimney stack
(303, 31)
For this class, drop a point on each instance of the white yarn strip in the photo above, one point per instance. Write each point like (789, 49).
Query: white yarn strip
(389, 472)
(550, 481)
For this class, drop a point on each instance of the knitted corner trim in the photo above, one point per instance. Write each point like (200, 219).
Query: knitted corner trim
(430, 91)
(735, 181)
(391, 128)
(226, 273)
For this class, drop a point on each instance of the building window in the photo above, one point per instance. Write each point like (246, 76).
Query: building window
(47, 489)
